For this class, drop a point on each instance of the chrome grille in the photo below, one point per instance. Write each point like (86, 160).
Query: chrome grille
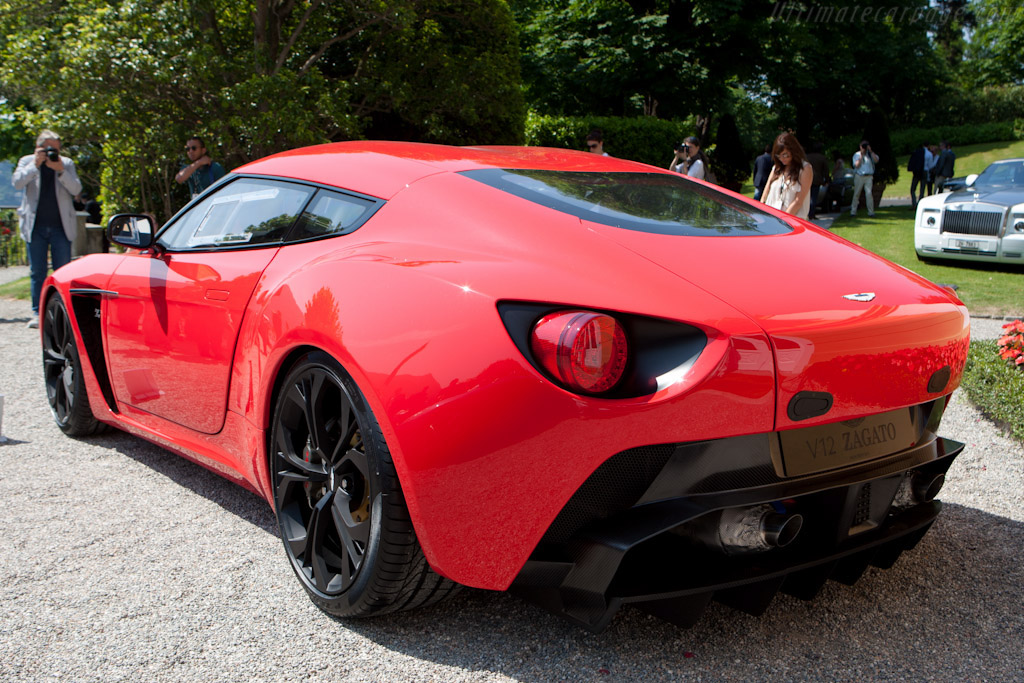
(972, 222)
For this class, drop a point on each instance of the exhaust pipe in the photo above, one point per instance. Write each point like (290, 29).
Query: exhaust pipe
(739, 531)
(918, 487)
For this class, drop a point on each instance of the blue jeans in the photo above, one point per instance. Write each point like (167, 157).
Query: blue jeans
(758, 191)
(46, 238)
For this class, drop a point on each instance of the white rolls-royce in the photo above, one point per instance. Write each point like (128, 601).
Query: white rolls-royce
(984, 222)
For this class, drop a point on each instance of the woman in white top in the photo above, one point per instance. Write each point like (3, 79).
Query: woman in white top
(789, 184)
(689, 160)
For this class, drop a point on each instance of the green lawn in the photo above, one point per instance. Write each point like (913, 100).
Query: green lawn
(969, 159)
(987, 289)
(19, 289)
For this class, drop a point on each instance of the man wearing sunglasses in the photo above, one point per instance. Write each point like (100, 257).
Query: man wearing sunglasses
(595, 142)
(202, 172)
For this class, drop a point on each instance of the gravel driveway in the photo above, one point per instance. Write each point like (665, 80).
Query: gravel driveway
(120, 561)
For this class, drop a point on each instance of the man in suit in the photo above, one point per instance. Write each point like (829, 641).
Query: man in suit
(944, 166)
(47, 211)
(916, 167)
(762, 169)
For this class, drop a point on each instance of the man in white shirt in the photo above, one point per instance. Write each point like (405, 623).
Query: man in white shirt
(863, 175)
(929, 165)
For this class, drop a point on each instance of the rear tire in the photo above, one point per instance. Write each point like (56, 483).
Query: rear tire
(62, 373)
(340, 509)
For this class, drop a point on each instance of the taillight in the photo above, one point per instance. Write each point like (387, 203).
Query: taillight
(584, 350)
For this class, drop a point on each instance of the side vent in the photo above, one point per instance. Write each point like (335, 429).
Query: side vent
(88, 307)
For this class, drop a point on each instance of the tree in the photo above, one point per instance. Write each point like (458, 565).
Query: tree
(822, 65)
(131, 80)
(15, 140)
(667, 58)
(449, 74)
(730, 162)
(996, 49)
(951, 17)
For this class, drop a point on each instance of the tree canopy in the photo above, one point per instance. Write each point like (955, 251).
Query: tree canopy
(127, 81)
(132, 80)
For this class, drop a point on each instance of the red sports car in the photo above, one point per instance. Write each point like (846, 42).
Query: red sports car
(580, 378)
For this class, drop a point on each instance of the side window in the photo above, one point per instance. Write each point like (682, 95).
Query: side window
(331, 213)
(248, 211)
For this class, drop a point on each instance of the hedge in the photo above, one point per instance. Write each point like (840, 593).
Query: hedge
(906, 140)
(644, 138)
(972, 106)
(650, 140)
(996, 388)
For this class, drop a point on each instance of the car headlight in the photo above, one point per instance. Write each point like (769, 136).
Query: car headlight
(930, 218)
(1018, 222)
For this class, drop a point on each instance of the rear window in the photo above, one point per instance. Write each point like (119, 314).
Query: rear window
(661, 203)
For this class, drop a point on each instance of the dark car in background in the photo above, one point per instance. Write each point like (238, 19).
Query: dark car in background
(836, 194)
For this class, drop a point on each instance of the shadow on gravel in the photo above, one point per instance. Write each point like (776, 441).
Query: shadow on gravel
(957, 594)
(234, 498)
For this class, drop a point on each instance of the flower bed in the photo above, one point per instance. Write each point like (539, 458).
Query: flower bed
(12, 248)
(1011, 344)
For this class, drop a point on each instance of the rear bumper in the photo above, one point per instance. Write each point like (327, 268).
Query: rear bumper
(603, 552)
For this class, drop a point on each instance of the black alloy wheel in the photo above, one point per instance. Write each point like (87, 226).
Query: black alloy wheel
(339, 506)
(62, 373)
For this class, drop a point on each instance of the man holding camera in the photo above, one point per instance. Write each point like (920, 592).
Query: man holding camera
(863, 176)
(47, 211)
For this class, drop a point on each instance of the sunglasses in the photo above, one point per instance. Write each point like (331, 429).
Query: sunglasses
(593, 145)
(191, 148)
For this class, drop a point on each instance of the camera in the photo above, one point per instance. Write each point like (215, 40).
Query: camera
(52, 154)
(681, 147)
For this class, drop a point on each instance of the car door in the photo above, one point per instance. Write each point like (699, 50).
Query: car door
(171, 329)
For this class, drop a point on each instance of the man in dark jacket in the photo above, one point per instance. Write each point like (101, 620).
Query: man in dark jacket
(944, 166)
(819, 164)
(916, 168)
(762, 169)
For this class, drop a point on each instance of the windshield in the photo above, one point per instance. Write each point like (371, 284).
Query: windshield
(1005, 174)
(661, 203)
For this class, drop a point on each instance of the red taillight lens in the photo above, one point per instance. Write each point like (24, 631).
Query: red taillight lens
(586, 351)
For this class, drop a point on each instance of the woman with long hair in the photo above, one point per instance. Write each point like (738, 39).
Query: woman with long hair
(690, 160)
(789, 184)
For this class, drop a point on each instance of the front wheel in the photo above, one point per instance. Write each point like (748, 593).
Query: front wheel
(340, 509)
(62, 373)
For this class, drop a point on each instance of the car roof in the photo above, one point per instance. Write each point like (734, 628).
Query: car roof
(381, 169)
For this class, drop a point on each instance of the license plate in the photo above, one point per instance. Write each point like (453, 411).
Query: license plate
(968, 244)
(826, 447)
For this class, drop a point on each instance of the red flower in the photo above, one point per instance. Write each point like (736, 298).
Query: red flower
(1011, 344)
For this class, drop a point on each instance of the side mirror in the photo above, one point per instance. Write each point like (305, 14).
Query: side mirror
(971, 178)
(131, 230)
